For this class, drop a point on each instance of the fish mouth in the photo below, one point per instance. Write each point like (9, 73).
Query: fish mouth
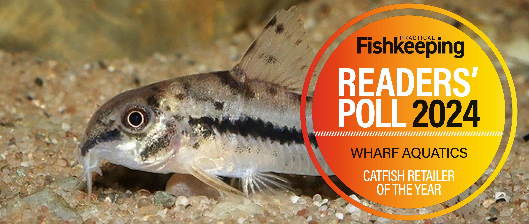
(90, 163)
(89, 156)
(117, 154)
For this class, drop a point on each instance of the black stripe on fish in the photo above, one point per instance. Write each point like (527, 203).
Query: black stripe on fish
(247, 126)
(105, 137)
(235, 87)
(159, 143)
(155, 146)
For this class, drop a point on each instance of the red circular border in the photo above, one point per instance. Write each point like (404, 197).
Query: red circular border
(304, 104)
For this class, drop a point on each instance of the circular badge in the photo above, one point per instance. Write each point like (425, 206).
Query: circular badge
(408, 111)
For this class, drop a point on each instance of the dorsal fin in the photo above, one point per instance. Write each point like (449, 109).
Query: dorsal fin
(280, 55)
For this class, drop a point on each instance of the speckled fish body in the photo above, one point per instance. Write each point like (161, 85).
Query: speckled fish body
(241, 123)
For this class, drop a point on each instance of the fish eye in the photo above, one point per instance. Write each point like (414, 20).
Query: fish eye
(135, 118)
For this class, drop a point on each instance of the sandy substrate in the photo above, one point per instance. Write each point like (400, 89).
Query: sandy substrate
(46, 104)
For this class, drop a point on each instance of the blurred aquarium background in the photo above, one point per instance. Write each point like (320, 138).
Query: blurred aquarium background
(136, 29)
(100, 29)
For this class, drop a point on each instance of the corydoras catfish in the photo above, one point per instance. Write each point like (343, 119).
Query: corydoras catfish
(243, 123)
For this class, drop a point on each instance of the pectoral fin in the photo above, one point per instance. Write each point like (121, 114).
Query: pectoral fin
(256, 182)
(213, 181)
